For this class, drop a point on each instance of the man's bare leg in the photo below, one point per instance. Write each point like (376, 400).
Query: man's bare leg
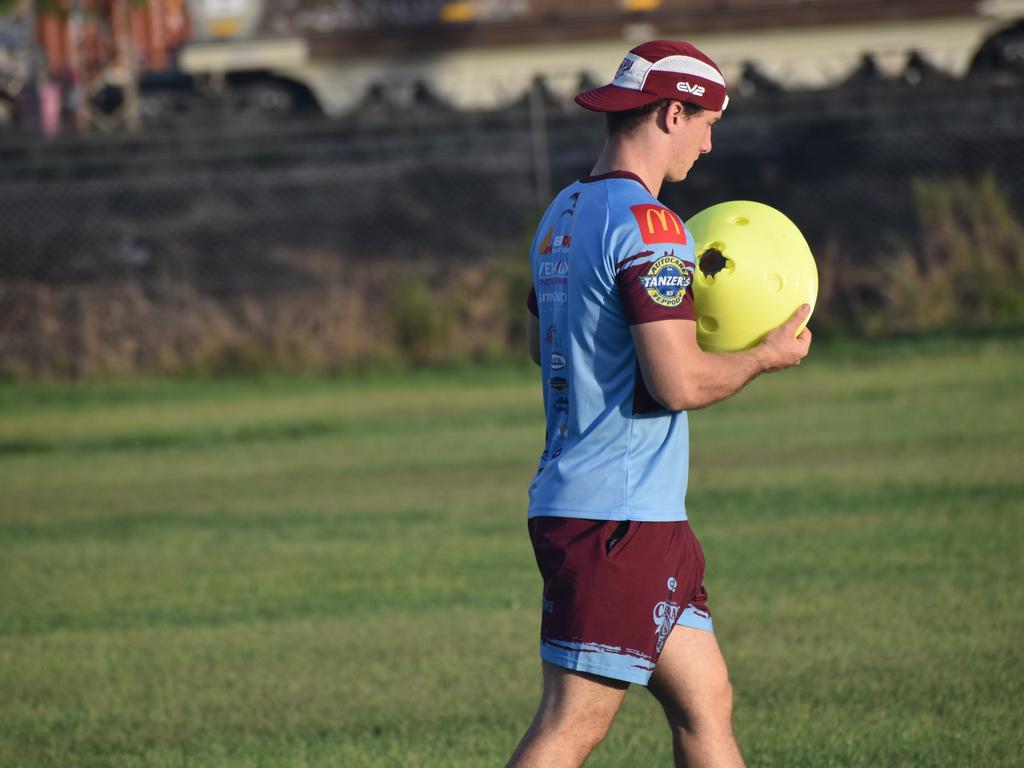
(574, 715)
(691, 682)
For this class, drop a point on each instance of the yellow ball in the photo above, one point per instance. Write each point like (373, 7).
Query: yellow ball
(754, 269)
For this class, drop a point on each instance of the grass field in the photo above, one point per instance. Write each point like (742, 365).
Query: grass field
(336, 573)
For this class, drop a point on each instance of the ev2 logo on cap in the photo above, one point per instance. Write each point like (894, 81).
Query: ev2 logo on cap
(685, 87)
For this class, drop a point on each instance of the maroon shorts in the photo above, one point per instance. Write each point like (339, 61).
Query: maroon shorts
(613, 590)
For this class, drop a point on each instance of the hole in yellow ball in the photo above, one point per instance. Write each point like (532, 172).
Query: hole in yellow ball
(708, 324)
(712, 261)
(741, 221)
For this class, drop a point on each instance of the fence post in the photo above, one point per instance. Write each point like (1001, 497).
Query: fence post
(539, 145)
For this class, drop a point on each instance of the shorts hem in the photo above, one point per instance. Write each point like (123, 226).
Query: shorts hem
(696, 619)
(573, 662)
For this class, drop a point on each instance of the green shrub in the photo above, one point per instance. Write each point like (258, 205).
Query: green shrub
(968, 270)
(422, 323)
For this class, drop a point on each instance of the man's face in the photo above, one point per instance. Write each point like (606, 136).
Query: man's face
(693, 139)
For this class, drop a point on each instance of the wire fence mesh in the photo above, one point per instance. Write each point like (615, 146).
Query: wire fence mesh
(402, 236)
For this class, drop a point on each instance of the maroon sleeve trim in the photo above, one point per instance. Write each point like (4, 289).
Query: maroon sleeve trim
(625, 261)
(647, 305)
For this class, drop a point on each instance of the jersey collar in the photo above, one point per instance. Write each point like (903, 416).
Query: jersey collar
(613, 175)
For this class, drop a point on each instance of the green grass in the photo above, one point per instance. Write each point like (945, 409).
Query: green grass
(336, 573)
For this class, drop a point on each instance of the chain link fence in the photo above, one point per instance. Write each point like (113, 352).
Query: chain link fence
(402, 237)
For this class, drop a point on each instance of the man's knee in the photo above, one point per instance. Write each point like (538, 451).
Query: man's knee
(586, 725)
(711, 710)
(585, 731)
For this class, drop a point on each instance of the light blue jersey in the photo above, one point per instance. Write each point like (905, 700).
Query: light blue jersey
(608, 255)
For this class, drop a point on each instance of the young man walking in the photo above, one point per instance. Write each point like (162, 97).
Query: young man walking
(612, 326)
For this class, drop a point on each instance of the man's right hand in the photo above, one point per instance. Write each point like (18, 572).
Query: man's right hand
(783, 348)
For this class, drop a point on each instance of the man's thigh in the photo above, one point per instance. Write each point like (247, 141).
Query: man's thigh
(691, 679)
(577, 696)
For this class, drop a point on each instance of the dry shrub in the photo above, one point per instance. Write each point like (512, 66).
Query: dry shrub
(340, 315)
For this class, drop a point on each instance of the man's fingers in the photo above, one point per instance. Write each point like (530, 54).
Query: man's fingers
(797, 317)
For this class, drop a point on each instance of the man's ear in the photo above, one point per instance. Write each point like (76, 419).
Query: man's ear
(672, 116)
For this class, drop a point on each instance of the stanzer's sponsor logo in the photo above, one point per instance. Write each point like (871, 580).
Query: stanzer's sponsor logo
(685, 87)
(557, 361)
(667, 280)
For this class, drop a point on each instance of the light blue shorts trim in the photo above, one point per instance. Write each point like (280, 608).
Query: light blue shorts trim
(696, 619)
(596, 659)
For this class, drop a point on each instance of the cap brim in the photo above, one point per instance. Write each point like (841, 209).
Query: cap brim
(612, 98)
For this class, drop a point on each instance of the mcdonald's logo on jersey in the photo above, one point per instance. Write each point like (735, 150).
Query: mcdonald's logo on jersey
(658, 224)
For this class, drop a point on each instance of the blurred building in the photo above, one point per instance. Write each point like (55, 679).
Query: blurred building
(173, 59)
(486, 54)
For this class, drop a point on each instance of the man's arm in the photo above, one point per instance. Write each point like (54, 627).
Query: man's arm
(533, 336)
(682, 376)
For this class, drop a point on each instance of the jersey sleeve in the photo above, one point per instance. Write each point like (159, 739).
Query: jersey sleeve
(531, 303)
(654, 264)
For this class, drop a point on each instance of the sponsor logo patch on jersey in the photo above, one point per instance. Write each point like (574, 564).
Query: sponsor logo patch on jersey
(545, 244)
(571, 210)
(667, 280)
(553, 272)
(658, 224)
(555, 243)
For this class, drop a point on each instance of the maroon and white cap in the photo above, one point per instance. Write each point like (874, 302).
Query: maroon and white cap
(660, 69)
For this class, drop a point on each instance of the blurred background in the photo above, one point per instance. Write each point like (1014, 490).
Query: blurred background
(267, 421)
(326, 185)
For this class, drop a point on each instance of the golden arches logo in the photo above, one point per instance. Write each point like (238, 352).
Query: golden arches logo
(663, 217)
(658, 224)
